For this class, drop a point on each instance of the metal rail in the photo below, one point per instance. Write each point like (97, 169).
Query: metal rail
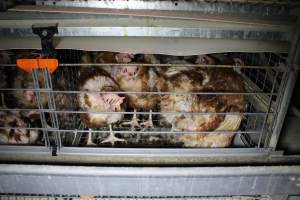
(128, 112)
(271, 7)
(149, 182)
(45, 90)
(162, 131)
(278, 68)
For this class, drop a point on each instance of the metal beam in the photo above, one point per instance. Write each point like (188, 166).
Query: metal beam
(249, 7)
(126, 32)
(150, 27)
(150, 23)
(149, 182)
(23, 150)
(151, 45)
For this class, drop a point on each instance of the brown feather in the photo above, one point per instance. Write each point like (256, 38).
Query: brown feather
(142, 84)
(209, 80)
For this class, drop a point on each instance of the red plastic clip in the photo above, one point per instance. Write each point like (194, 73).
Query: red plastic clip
(38, 63)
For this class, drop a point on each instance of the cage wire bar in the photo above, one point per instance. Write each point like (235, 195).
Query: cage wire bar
(40, 106)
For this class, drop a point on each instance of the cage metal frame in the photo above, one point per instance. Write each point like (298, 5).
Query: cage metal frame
(289, 80)
(54, 119)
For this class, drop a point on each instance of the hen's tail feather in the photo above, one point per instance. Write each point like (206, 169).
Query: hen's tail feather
(214, 140)
(176, 70)
(230, 123)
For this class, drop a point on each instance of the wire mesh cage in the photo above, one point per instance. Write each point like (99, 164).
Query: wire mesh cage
(218, 100)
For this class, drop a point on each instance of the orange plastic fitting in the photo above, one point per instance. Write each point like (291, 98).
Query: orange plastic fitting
(38, 63)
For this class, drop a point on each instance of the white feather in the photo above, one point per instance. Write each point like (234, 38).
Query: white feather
(206, 78)
(152, 79)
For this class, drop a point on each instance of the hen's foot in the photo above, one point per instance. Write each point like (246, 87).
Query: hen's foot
(147, 124)
(91, 144)
(89, 140)
(112, 139)
(174, 128)
(133, 123)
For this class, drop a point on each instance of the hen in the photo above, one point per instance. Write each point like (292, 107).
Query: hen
(23, 81)
(204, 80)
(27, 98)
(96, 79)
(15, 122)
(134, 78)
(181, 81)
(17, 134)
(111, 57)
